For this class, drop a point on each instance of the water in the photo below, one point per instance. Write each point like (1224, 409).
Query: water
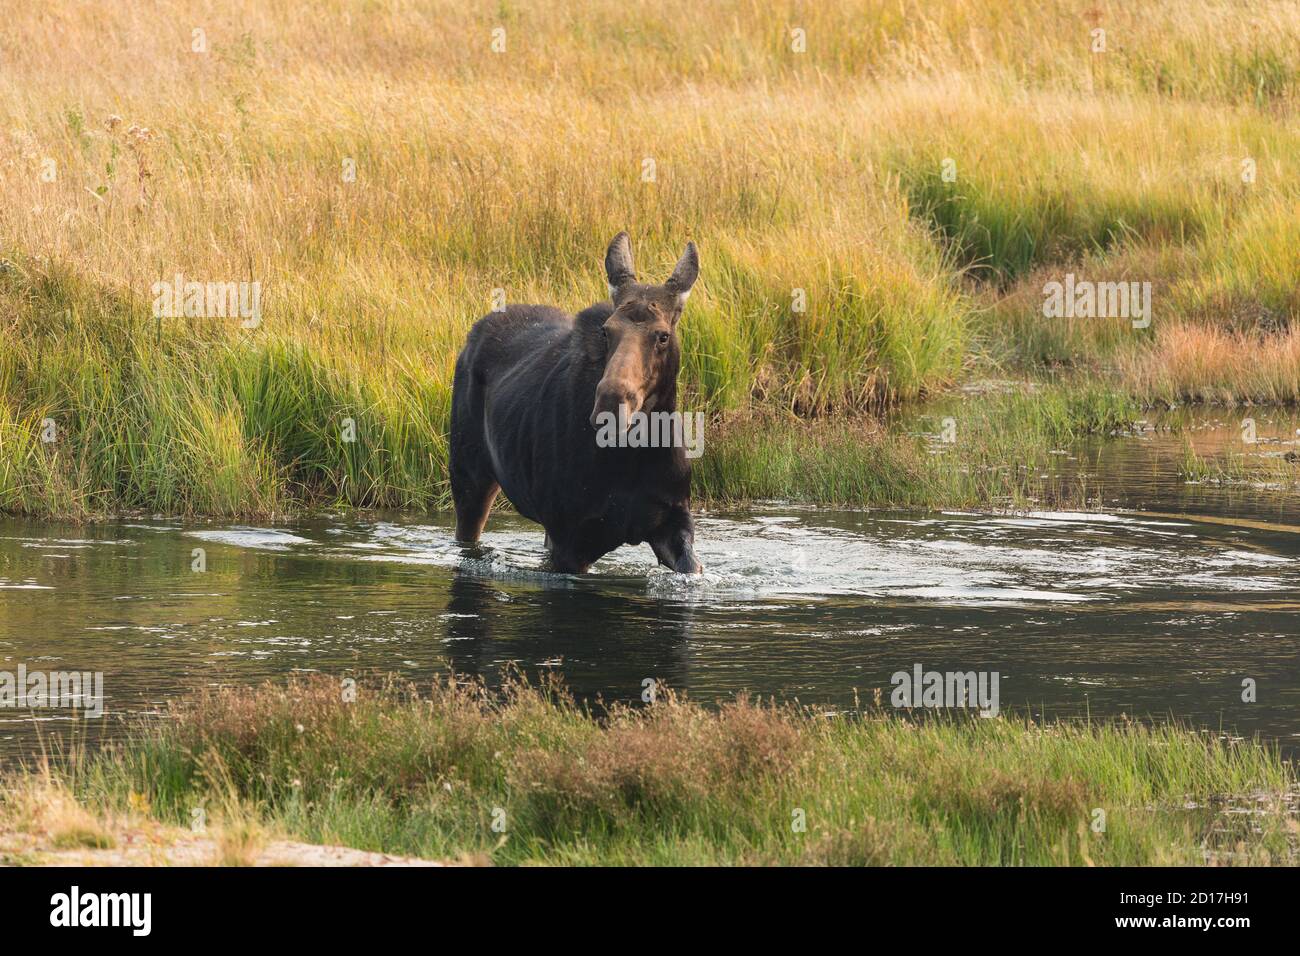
(1155, 614)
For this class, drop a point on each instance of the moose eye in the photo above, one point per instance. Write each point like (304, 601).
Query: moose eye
(663, 339)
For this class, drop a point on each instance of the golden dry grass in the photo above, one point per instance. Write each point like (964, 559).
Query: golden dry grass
(127, 155)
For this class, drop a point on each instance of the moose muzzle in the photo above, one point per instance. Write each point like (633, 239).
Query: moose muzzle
(622, 384)
(609, 398)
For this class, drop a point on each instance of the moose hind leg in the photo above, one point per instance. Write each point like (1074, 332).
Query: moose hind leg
(473, 504)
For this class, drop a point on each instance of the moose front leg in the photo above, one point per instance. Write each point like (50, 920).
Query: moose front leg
(563, 558)
(674, 543)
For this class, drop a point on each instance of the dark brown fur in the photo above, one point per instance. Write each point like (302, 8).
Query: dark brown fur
(528, 389)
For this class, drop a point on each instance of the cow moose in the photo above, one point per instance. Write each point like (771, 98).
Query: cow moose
(530, 388)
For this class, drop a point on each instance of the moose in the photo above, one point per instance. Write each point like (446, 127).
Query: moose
(531, 387)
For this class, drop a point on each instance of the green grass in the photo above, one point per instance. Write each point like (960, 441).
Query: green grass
(1264, 467)
(675, 783)
(991, 451)
(151, 420)
(1001, 231)
(182, 419)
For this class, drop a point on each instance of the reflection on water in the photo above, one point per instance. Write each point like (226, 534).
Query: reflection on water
(1104, 613)
(1142, 471)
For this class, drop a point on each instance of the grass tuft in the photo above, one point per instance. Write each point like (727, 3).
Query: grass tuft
(529, 776)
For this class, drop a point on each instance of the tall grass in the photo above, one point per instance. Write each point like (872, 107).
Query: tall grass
(532, 778)
(842, 273)
(990, 452)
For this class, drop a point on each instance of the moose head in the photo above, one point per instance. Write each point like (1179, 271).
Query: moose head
(642, 353)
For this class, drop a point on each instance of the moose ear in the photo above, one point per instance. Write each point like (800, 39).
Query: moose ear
(684, 273)
(618, 263)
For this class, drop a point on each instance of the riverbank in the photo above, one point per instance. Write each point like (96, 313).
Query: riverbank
(527, 777)
(994, 451)
(992, 445)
